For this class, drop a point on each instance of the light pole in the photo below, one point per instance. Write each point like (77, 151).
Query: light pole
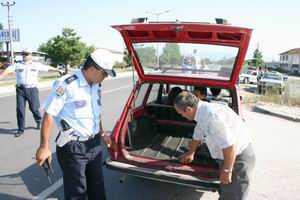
(8, 4)
(157, 15)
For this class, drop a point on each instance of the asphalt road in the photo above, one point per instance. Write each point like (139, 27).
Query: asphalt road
(275, 140)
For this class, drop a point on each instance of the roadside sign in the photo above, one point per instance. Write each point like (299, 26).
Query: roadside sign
(4, 35)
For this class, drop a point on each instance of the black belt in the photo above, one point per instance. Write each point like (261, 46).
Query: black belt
(25, 86)
(83, 139)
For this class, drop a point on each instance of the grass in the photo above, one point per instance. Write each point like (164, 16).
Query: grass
(272, 96)
(41, 79)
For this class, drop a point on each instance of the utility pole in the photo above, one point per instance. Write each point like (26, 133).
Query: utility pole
(8, 4)
(157, 15)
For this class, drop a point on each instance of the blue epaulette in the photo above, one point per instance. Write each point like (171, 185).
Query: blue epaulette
(70, 79)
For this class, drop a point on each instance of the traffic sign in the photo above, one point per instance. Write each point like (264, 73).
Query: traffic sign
(4, 35)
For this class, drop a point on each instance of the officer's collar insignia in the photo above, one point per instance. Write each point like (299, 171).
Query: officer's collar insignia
(60, 91)
(70, 79)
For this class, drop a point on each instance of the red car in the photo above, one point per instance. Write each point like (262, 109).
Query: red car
(150, 136)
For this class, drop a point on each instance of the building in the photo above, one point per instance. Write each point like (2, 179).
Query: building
(274, 65)
(290, 61)
(118, 56)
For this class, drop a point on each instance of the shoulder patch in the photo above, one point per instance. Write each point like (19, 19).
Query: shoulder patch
(60, 91)
(70, 79)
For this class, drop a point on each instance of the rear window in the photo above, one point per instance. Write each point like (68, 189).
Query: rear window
(187, 60)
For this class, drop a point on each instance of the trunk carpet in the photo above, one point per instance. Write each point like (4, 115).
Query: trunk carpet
(169, 148)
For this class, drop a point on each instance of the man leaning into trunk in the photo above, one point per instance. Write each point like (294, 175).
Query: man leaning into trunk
(228, 141)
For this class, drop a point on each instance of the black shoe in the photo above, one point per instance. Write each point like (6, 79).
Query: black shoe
(38, 125)
(19, 133)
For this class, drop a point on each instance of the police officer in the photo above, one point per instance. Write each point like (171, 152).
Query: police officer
(75, 105)
(26, 87)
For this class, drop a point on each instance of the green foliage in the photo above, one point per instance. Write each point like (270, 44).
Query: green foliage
(127, 58)
(146, 55)
(257, 60)
(1, 43)
(120, 65)
(66, 49)
(171, 55)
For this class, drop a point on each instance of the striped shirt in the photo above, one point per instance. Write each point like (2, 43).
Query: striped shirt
(220, 127)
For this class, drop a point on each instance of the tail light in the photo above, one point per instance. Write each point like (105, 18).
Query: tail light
(112, 150)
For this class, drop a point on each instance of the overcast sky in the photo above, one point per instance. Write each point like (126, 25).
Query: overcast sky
(275, 23)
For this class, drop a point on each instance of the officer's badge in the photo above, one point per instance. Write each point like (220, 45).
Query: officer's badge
(60, 91)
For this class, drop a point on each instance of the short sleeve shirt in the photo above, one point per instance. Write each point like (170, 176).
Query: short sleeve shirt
(220, 127)
(27, 73)
(78, 103)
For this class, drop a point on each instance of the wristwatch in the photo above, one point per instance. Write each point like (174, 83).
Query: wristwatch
(227, 170)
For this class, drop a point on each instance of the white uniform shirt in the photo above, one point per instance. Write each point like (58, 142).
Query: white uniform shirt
(27, 74)
(78, 103)
(220, 127)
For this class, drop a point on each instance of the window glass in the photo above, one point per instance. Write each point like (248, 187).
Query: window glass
(141, 95)
(187, 60)
(154, 93)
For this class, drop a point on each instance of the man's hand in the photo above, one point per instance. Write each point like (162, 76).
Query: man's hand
(61, 72)
(186, 158)
(106, 139)
(225, 177)
(42, 154)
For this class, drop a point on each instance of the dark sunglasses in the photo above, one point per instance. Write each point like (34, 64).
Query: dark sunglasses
(25, 54)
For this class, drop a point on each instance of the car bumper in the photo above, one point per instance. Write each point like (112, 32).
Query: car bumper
(163, 176)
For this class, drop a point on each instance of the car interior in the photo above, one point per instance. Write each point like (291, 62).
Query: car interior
(155, 130)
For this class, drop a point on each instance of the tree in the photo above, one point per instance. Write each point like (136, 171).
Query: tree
(146, 55)
(257, 60)
(1, 43)
(66, 49)
(171, 55)
(127, 58)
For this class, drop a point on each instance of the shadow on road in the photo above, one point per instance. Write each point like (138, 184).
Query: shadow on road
(33, 178)
(9, 197)
(251, 89)
(13, 131)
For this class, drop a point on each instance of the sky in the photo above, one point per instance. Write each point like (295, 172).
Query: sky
(275, 23)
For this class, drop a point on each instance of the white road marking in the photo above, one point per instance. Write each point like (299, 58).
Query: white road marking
(43, 195)
(120, 88)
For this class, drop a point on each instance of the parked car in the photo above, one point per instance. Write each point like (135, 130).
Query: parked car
(4, 65)
(272, 81)
(250, 76)
(149, 136)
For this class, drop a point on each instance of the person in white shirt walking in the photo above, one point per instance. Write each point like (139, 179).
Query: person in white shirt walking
(26, 88)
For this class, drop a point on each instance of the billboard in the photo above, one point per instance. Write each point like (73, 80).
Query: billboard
(4, 35)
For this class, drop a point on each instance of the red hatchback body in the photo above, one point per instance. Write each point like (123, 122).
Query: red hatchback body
(150, 136)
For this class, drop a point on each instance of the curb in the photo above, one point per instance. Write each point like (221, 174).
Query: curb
(276, 114)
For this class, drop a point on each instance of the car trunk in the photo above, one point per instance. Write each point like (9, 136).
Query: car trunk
(163, 135)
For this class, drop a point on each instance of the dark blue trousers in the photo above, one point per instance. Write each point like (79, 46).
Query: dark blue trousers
(81, 163)
(32, 96)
